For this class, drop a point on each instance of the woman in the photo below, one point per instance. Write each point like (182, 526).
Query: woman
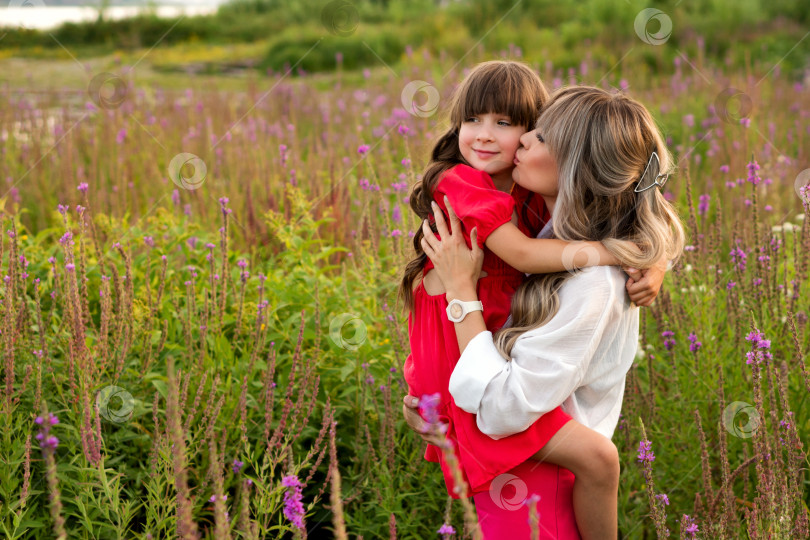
(597, 159)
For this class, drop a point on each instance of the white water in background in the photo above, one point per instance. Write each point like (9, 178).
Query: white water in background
(45, 17)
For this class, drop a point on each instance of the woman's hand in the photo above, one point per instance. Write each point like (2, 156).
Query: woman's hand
(643, 286)
(417, 423)
(458, 266)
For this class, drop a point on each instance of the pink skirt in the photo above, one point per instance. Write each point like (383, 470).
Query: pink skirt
(504, 515)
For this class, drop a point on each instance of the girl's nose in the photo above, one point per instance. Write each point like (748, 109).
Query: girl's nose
(484, 134)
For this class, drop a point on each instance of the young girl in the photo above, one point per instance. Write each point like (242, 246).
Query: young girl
(472, 166)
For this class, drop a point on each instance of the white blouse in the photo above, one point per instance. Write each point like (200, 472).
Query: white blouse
(579, 360)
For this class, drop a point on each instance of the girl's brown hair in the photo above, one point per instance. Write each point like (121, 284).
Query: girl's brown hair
(502, 87)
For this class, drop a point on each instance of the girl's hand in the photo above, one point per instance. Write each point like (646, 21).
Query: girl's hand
(417, 423)
(643, 286)
(458, 266)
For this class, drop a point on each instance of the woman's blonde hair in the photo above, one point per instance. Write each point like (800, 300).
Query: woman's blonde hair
(498, 86)
(602, 143)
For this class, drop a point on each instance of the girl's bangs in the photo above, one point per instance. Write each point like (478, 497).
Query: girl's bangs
(506, 94)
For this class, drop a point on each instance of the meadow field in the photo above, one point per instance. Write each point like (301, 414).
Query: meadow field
(199, 323)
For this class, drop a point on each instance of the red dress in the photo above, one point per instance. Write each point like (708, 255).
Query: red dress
(434, 347)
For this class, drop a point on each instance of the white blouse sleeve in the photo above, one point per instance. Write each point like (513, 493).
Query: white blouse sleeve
(548, 363)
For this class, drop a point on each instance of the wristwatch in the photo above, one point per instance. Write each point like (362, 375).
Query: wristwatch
(457, 310)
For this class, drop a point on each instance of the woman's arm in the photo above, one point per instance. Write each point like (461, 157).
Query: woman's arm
(545, 255)
(548, 364)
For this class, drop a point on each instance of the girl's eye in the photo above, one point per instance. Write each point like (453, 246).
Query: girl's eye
(540, 137)
(505, 122)
(471, 119)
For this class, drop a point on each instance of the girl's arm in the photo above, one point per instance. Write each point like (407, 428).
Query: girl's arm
(545, 255)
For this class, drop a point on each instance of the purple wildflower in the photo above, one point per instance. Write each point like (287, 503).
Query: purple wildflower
(663, 498)
(293, 509)
(363, 149)
(694, 344)
(428, 405)
(703, 205)
(689, 527)
(669, 343)
(47, 442)
(446, 529)
(237, 465)
(645, 453)
(760, 348)
(738, 257)
(83, 187)
(753, 167)
(223, 201)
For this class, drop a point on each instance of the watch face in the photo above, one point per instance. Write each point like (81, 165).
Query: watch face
(456, 310)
